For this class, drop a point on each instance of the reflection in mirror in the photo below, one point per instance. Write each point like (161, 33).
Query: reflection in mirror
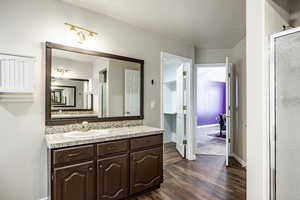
(92, 86)
(63, 96)
(70, 94)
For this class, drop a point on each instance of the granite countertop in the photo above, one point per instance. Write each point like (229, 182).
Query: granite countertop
(60, 140)
(57, 116)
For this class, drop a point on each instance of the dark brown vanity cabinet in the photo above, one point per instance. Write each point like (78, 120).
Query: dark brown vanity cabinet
(107, 171)
(74, 182)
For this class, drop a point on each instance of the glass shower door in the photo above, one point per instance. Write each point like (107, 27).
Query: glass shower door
(286, 115)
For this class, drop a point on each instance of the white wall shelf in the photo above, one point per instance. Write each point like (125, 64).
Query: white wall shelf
(16, 78)
(16, 98)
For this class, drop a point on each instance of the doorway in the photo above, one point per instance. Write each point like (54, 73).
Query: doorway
(211, 107)
(176, 104)
(213, 100)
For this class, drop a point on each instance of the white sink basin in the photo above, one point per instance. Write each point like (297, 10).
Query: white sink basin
(91, 133)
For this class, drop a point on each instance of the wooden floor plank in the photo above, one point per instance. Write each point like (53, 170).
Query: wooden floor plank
(206, 178)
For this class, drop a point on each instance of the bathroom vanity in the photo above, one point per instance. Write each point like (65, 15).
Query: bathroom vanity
(88, 95)
(113, 165)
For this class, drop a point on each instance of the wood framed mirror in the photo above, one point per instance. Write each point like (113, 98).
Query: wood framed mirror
(84, 85)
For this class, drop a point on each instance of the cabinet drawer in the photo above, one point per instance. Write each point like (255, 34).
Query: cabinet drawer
(144, 142)
(110, 148)
(72, 154)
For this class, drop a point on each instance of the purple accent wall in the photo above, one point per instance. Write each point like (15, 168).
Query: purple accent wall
(211, 101)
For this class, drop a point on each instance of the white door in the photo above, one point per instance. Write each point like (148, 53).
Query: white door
(180, 117)
(229, 119)
(132, 92)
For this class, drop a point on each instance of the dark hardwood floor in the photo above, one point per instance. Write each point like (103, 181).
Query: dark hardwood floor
(206, 178)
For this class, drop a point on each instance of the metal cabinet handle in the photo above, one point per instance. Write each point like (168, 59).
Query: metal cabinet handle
(90, 168)
(73, 154)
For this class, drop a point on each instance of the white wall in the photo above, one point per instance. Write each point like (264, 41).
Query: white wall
(287, 11)
(205, 56)
(240, 134)
(263, 18)
(77, 69)
(116, 90)
(26, 25)
(116, 86)
(282, 8)
(274, 19)
(256, 111)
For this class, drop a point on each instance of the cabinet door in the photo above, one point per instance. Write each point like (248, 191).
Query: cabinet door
(113, 178)
(146, 169)
(75, 182)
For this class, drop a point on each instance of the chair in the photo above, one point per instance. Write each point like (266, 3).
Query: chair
(222, 121)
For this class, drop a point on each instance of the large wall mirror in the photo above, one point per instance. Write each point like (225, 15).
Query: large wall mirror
(84, 85)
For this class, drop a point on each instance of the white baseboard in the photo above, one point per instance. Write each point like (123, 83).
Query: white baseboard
(45, 198)
(239, 159)
(191, 156)
(209, 126)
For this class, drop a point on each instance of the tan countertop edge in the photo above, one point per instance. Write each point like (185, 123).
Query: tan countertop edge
(58, 140)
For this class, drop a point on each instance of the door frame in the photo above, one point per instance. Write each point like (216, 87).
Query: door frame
(190, 134)
(216, 65)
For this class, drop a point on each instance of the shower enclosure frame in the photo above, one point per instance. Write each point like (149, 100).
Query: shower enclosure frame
(272, 109)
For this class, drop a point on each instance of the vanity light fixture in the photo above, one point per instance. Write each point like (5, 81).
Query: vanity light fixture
(60, 71)
(81, 32)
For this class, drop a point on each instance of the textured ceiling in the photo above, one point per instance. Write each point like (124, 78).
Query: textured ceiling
(211, 24)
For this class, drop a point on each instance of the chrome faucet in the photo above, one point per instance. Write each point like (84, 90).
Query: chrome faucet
(85, 126)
